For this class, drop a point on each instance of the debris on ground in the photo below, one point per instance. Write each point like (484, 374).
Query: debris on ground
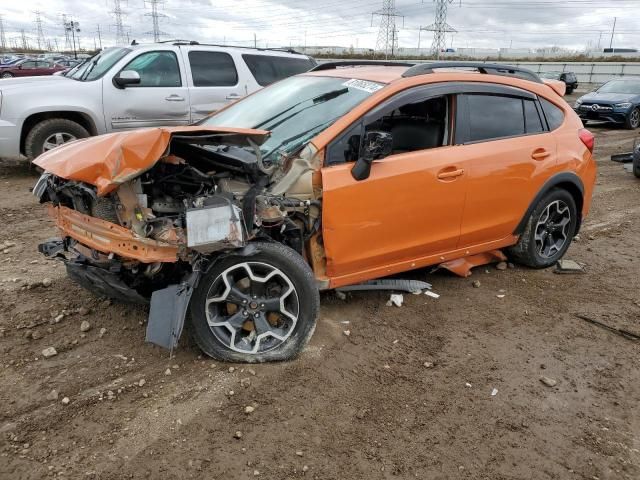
(428, 364)
(468, 385)
(501, 266)
(476, 284)
(395, 299)
(49, 352)
(249, 409)
(494, 392)
(346, 333)
(85, 326)
(340, 295)
(431, 294)
(52, 395)
(568, 266)
(549, 382)
(620, 331)
(237, 435)
(65, 401)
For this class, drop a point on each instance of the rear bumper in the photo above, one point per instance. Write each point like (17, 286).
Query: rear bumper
(107, 237)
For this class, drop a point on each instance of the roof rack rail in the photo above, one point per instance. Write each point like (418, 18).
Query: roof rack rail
(486, 68)
(194, 42)
(356, 63)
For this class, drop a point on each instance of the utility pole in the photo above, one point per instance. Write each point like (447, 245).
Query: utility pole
(420, 30)
(255, 41)
(67, 37)
(39, 32)
(25, 46)
(99, 37)
(73, 27)
(55, 41)
(613, 31)
(121, 36)
(3, 38)
(440, 27)
(155, 17)
(387, 34)
(599, 39)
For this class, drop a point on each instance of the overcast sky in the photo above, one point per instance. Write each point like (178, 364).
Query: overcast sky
(574, 24)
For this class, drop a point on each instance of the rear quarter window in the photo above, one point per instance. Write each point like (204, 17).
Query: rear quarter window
(212, 69)
(267, 69)
(553, 114)
(494, 116)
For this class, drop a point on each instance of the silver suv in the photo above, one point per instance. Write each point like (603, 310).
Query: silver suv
(162, 84)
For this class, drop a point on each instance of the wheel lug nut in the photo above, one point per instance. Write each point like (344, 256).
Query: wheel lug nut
(257, 315)
(245, 313)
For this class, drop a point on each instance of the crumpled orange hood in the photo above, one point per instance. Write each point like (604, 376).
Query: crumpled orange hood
(110, 160)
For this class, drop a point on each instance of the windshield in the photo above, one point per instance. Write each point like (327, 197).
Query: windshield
(621, 86)
(97, 66)
(551, 75)
(294, 110)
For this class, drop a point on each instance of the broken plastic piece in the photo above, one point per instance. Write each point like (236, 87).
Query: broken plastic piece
(395, 299)
(462, 266)
(408, 286)
(568, 266)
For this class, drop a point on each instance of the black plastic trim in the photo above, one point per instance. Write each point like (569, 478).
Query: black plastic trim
(356, 63)
(564, 177)
(484, 68)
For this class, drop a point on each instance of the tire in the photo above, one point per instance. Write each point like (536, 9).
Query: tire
(53, 128)
(636, 164)
(529, 249)
(256, 342)
(6, 75)
(632, 121)
(569, 90)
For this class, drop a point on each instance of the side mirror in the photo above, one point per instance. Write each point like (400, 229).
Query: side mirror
(126, 77)
(377, 144)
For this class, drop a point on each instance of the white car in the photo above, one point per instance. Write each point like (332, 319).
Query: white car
(162, 84)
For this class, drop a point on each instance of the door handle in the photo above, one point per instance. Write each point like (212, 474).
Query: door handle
(174, 98)
(540, 154)
(233, 96)
(448, 174)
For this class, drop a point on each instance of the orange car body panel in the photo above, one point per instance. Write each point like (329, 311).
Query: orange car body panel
(108, 161)
(404, 217)
(107, 237)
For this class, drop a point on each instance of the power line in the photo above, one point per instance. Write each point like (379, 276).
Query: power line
(388, 33)
(155, 16)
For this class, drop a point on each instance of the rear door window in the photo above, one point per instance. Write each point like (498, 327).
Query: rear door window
(267, 69)
(554, 115)
(495, 116)
(533, 122)
(212, 69)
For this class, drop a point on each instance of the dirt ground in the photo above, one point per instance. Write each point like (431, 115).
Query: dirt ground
(362, 406)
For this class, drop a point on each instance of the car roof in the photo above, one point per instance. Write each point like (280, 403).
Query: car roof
(374, 73)
(204, 46)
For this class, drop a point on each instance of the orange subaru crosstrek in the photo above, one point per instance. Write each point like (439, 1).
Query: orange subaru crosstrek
(348, 173)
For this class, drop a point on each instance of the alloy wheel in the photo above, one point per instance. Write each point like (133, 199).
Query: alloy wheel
(57, 139)
(252, 307)
(551, 233)
(634, 118)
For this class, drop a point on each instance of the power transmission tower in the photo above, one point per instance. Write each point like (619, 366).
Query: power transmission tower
(67, 33)
(387, 34)
(39, 32)
(121, 35)
(155, 17)
(99, 37)
(3, 38)
(440, 27)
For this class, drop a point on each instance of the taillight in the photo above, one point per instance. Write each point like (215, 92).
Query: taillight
(587, 138)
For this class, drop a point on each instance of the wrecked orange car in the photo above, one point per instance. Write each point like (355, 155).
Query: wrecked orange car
(336, 177)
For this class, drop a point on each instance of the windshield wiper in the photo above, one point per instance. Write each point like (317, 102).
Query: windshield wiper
(302, 135)
(316, 100)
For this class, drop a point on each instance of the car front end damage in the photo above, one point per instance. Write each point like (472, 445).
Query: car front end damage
(143, 215)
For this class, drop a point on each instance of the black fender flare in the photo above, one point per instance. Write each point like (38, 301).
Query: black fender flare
(567, 180)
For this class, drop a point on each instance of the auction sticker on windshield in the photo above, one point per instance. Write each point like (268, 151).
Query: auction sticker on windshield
(363, 85)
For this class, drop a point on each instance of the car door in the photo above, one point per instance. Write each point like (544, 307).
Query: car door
(25, 69)
(508, 152)
(43, 68)
(160, 99)
(410, 207)
(214, 80)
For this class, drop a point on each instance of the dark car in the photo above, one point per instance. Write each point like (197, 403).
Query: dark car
(616, 101)
(29, 68)
(569, 78)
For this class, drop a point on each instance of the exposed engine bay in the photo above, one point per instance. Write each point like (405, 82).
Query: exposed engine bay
(202, 198)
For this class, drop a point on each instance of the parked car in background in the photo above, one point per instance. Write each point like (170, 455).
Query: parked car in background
(29, 68)
(68, 63)
(616, 101)
(137, 86)
(329, 178)
(569, 78)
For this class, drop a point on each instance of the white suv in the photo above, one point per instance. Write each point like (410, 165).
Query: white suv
(160, 84)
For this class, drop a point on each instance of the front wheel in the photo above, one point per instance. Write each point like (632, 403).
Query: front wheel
(549, 231)
(51, 133)
(256, 308)
(633, 120)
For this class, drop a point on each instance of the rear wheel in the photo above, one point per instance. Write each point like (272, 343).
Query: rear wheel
(636, 164)
(569, 90)
(7, 75)
(549, 231)
(51, 133)
(256, 308)
(633, 119)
